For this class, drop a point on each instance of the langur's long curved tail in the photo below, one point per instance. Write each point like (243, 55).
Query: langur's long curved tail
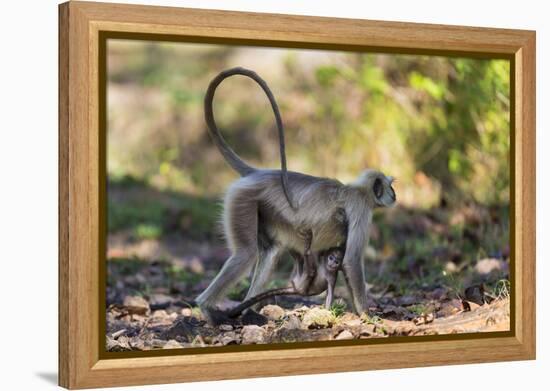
(231, 156)
(236, 311)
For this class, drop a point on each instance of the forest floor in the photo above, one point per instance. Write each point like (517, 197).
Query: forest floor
(134, 326)
(438, 271)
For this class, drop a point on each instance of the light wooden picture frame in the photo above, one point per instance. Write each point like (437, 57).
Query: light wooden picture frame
(83, 30)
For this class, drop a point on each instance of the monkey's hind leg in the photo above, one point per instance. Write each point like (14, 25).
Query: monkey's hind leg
(242, 222)
(309, 259)
(232, 271)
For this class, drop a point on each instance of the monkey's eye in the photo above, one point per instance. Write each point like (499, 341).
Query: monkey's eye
(331, 258)
(378, 188)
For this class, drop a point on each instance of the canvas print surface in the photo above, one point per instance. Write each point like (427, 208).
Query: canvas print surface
(392, 221)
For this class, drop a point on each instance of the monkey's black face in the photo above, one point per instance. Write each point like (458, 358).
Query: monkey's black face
(384, 193)
(378, 186)
(334, 259)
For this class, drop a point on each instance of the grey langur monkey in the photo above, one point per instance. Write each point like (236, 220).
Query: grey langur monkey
(260, 223)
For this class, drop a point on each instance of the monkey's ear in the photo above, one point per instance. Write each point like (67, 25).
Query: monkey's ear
(378, 188)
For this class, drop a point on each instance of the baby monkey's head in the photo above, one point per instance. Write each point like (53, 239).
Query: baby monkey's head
(333, 259)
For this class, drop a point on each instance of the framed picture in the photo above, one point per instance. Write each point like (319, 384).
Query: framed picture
(246, 195)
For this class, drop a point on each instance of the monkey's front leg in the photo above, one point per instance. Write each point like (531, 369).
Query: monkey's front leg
(352, 265)
(353, 274)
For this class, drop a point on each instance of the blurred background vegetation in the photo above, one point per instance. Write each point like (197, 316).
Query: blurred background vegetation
(439, 125)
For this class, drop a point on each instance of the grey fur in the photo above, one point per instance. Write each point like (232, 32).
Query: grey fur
(260, 225)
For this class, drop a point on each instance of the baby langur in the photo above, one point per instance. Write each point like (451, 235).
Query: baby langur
(266, 210)
(328, 264)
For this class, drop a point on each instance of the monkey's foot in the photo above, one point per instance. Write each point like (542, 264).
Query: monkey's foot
(251, 317)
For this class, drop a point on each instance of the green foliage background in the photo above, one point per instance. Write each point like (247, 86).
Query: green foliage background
(439, 125)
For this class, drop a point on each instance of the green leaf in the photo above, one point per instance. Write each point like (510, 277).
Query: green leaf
(425, 84)
(326, 75)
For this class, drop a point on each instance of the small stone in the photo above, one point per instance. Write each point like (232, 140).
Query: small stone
(160, 318)
(225, 327)
(159, 314)
(157, 343)
(118, 333)
(141, 319)
(196, 265)
(137, 343)
(172, 344)
(136, 305)
(488, 265)
(450, 267)
(347, 317)
(123, 343)
(424, 319)
(345, 335)
(187, 312)
(158, 301)
(318, 318)
(302, 309)
(253, 335)
(273, 312)
(368, 329)
(351, 323)
(449, 308)
(292, 323)
(183, 327)
(229, 338)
